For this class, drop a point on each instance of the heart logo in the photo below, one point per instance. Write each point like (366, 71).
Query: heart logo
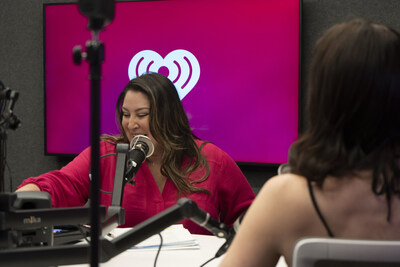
(180, 66)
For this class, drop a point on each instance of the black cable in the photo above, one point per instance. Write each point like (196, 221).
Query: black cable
(106, 155)
(4, 166)
(226, 245)
(80, 227)
(103, 156)
(3, 143)
(105, 192)
(10, 176)
(207, 262)
(159, 249)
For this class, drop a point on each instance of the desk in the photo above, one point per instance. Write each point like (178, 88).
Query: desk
(172, 258)
(169, 258)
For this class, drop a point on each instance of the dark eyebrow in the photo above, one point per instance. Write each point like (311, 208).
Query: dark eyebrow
(137, 110)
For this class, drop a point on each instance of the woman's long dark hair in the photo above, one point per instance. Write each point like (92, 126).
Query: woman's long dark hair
(169, 126)
(353, 107)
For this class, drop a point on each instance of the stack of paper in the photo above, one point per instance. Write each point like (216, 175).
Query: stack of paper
(174, 237)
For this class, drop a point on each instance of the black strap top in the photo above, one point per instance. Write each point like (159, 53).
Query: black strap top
(318, 210)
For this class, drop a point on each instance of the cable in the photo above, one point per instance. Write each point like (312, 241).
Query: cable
(106, 155)
(103, 156)
(159, 249)
(10, 177)
(3, 144)
(84, 235)
(105, 192)
(204, 264)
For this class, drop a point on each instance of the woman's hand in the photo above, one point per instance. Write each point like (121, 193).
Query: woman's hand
(28, 187)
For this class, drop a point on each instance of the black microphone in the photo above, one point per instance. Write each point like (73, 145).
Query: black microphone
(231, 235)
(141, 147)
(204, 219)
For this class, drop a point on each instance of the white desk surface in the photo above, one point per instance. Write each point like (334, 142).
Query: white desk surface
(173, 258)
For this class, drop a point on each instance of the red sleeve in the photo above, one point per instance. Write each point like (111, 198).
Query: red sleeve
(70, 185)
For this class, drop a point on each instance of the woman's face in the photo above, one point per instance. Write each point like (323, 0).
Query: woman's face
(135, 116)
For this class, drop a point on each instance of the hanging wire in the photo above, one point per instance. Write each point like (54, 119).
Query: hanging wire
(159, 249)
(207, 262)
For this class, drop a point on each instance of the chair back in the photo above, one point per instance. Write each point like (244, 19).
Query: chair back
(327, 252)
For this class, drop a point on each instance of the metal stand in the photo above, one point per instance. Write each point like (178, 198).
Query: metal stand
(115, 213)
(99, 14)
(8, 120)
(95, 56)
(3, 138)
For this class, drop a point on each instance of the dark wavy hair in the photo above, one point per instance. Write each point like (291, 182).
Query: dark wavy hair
(353, 107)
(169, 126)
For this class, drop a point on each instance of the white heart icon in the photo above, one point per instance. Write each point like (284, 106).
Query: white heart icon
(183, 68)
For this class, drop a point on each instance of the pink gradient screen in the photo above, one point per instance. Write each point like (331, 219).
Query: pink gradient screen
(245, 99)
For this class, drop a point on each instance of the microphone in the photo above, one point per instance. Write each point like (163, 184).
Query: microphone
(230, 237)
(204, 220)
(141, 147)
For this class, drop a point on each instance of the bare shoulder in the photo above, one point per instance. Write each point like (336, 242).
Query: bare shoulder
(270, 226)
(289, 200)
(284, 185)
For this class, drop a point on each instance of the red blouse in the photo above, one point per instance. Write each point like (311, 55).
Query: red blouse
(230, 193)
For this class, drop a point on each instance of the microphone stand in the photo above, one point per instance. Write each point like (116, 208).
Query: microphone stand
(95, 56)
(125, 170)
(77, 254)
(8, 120)
(99, 13)
(3, 139)
(115, 212)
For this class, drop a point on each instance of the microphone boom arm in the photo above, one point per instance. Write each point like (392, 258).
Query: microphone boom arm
(115, 213)
(129, 159)
(78, 254)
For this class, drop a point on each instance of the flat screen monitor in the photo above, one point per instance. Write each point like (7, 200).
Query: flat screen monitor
(235, 64)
